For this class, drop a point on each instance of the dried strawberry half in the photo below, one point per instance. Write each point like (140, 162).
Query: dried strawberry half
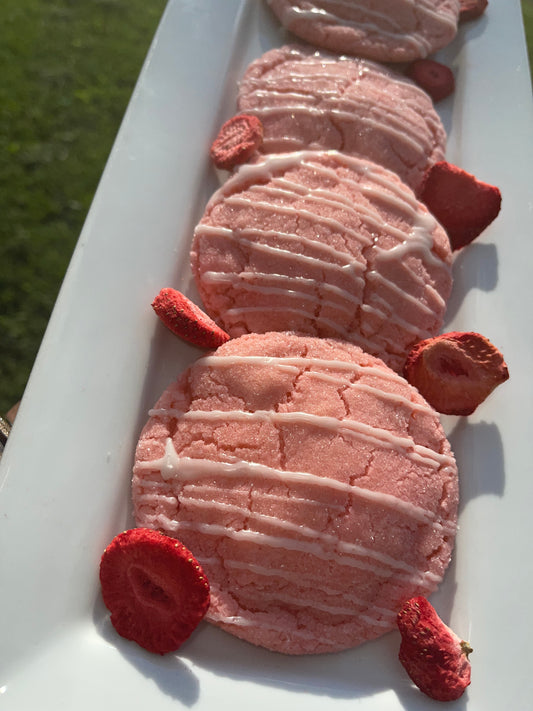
(187, 320)
(435, 78)
(462, 204)
(154, 588)
(472, 9)
(237, 141)
(435, 658)
(456, 371)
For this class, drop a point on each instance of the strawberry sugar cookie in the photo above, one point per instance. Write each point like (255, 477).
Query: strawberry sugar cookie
(386, 31)
(325, 244)
(312, 483)
(307, 99)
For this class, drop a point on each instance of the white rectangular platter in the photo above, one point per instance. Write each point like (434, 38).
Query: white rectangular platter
(65, 474)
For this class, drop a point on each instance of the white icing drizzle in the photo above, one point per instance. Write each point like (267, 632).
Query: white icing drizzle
(300, 212)
(398, 292)
(185, 469)
(395, 398)
(248, 621)
(154, 499)
(289, 365)
(376, 22)
(315, 605)
(326, 263)
(270, 165)
(394, 194)
(375, 436)
(397, 132)
(401, 200)
(313, 534)
(365, 213)
(296, 363)
(344, 264)
(285, 188)
(342, 553)
(301, 363)
(285, 286)
(390, 191)
(306, 582)
(210, 491)
(310, 541)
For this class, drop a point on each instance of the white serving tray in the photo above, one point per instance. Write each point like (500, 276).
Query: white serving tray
(65, 474)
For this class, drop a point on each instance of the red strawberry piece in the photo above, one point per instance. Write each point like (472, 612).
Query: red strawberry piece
(435, 78)
(154, 587)
(187, 320)
(472, 9)
(435, 658)
(463, 205)
(237, 140)
(455, 372)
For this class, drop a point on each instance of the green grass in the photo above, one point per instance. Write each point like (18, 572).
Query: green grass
(69, 69)
(527, 11)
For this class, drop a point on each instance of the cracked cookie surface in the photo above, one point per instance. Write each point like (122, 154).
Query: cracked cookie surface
(309, 99)
(325, 244)
(382, 30)
(314, 485)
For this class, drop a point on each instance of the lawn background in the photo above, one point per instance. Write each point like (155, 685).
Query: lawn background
(68, 70)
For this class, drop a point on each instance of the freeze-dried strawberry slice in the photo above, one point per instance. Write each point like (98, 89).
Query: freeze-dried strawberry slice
(463, 205)
(154, 587)
(187, 320)
(435, 78)
(237, 140)
(455, 372)
(435, 658)
(472, 9)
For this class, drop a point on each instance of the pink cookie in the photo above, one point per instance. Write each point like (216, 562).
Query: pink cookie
(316, 100)
(324, 244)
(398, 31)
(315, 486)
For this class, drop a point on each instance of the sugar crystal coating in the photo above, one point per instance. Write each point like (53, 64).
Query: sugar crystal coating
(378, 29)
(314, 99)
(324, 244)
(313, 484)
